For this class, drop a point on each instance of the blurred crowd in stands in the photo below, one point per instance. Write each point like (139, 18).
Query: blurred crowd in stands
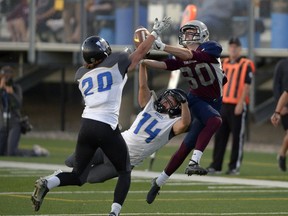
(58, 20)
(62, 20)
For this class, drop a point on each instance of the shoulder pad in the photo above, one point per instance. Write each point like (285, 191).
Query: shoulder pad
(128, 50)
(212, 48)
(80, 72)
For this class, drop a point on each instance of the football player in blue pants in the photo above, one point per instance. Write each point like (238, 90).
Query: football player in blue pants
(199, 63)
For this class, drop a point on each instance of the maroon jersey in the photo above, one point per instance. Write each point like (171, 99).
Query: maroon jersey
(203, 72)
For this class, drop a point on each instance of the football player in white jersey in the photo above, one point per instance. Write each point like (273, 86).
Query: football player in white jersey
(160, 119)
(101, 81)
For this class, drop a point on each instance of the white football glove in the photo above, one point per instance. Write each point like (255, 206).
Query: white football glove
(160, 26)
(158, 44)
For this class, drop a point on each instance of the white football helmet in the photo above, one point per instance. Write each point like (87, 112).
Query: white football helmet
(200, 35)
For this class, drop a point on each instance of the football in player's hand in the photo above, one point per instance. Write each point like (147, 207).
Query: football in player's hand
(140, 35)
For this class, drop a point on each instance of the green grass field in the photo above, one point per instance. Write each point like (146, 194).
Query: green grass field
(177, 197)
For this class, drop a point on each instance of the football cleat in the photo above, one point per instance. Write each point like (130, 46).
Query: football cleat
(153, 192)
(39, 193)
(40, 151)
(213, 171)
(41, 190)
(282, 163)
(195, 169)
(113, 214)
(233, 172)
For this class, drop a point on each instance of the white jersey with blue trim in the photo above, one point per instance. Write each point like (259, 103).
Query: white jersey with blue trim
(148, 133)
(102, 89)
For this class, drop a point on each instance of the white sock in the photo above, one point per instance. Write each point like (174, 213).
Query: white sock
(162, 178)
(196, 156)
(116, 208)
(53, 182)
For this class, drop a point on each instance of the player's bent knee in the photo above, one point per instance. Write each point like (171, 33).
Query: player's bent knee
(218, 121)
(124, 174)
(215, 122)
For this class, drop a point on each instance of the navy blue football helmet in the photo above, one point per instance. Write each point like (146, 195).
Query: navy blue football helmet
(95, 48)
(175, 110)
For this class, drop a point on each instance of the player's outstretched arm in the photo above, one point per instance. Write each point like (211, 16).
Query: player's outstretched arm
(180, 52)
(154, 64)
(183, 123)
(144, 93)
(144, 47)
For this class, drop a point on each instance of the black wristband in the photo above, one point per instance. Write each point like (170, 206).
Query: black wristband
(277, 113)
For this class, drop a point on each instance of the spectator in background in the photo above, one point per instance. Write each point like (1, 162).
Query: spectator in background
(240, 27)
(10, 123)
(17, 21)
(234, 109)
(280, 85)
(217, 15)
(99, 14)
(6, 6)
(46, 10)
(72, 21)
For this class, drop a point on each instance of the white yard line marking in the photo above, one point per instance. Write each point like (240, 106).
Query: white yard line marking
(146, 174)
(173, 214)
(214, 179)
(162, 192)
